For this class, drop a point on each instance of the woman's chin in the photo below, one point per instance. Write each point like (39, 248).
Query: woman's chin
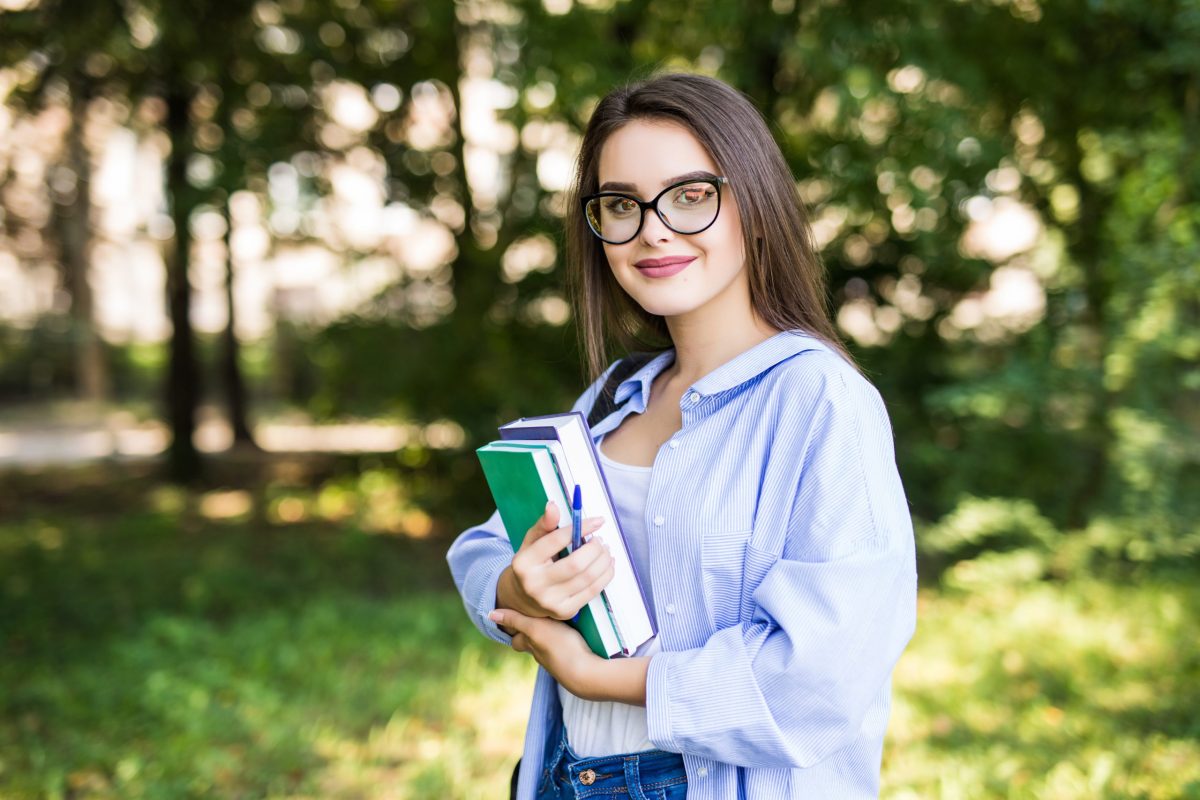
(665, 309)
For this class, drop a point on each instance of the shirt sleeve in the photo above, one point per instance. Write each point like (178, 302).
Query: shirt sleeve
(480, 553)
(829, 618)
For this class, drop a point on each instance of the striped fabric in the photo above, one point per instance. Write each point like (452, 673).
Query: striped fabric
(781, 554)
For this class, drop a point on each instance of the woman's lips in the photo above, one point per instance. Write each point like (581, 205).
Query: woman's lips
(663, 267)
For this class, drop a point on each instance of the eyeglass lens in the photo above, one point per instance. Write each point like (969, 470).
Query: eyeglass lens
(687, 208)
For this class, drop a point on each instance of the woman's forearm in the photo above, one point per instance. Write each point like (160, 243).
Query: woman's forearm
(621, 680)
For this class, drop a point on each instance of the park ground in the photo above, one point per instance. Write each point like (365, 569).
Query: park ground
(302, 639)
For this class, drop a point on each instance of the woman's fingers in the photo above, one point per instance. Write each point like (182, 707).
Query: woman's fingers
(547, 583)
(573, 563)
(546, 523)
(584, 584)
(514, 621)
(522, 626)
(551, 544)
(545, 548)
(593, 587)
(531, 560)
(581, 567)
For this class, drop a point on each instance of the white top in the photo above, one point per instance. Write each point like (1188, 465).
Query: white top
(605, 728)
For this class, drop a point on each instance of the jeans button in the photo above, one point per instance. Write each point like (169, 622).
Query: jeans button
(587, 777)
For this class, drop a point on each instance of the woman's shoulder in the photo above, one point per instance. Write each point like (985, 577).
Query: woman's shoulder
(820, 364)
(822, 379)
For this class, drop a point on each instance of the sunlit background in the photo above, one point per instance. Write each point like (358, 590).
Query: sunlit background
(270, 271)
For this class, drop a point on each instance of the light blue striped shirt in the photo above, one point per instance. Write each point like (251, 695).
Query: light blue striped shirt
(782, 559)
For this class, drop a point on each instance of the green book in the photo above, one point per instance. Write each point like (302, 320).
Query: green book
(523, 478)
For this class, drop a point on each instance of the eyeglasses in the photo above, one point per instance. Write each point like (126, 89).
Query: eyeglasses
(686, 207)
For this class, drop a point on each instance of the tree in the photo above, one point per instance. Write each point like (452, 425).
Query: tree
(67, 72)
(916, 131)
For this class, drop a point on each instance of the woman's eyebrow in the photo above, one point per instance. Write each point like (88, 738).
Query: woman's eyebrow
(618, 186)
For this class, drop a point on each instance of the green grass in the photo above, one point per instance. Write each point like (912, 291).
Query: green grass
(150, 651)
(153, 655)
(1082, 689)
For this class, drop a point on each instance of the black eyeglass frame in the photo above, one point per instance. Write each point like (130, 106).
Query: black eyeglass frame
(652, 205)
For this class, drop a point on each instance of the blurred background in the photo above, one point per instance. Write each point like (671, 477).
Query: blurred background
(270, 271)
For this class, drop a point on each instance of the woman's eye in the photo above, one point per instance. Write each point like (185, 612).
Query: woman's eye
(620, 205)
(693, 195)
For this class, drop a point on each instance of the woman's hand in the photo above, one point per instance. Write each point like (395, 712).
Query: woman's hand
(562, 652)
(558, 647)
(538, 585)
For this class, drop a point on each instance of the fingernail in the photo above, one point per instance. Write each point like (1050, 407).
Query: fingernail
(495, 616)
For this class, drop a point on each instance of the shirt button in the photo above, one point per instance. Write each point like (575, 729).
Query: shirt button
(693, 397)
(659, 520)
(674, 444)
(702, 772)
(670, 608)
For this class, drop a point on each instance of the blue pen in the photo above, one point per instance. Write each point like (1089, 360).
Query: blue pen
(577, 520)
(576, 526)
(576, 543)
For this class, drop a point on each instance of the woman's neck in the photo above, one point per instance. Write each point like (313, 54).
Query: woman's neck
(701, 348)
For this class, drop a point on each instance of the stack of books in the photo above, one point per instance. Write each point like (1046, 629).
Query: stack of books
(540, 460)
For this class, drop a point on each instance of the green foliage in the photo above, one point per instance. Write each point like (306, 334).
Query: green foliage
(37, 361)
(897, 120)
(997, 568)
(163, 653)
(346, 358)
(995, 525)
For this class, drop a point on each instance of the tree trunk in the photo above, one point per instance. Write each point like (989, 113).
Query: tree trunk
(75, 232)
(1087, 251)
(183, 385)
(235, 387)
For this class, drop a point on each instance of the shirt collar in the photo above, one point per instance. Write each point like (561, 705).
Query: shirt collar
(743, 367)
(637, 385)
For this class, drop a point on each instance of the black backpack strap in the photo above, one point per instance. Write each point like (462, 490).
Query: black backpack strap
(606, 402)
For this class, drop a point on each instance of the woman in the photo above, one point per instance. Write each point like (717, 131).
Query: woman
(753, 472)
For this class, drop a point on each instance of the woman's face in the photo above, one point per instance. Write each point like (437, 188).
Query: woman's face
(642, 158)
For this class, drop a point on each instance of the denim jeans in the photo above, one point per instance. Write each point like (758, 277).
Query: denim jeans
(645, 775)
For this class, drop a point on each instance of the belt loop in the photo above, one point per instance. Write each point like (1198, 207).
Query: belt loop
(633, 778)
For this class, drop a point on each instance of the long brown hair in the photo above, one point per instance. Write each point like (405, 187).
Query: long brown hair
(786, 276)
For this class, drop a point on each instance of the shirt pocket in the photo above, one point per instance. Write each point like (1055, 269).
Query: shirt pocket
(732, 569)
(722, 558)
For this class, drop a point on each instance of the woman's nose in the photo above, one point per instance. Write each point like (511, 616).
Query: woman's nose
(654, 230)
